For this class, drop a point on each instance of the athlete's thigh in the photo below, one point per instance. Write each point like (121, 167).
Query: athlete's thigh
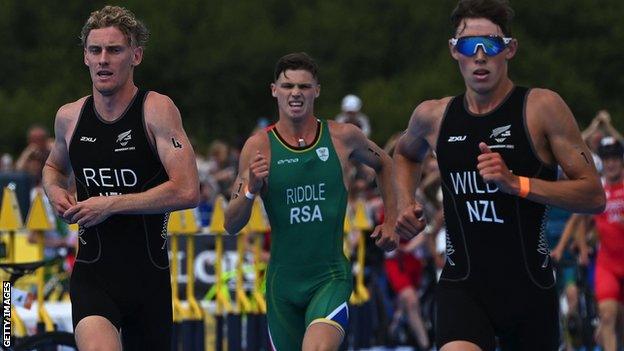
(286, 324)
(89, 298)
(329, 304)
(150, 326)
(460, 318)
(537, 329)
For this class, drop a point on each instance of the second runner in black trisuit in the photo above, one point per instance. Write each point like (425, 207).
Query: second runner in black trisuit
(497, 146)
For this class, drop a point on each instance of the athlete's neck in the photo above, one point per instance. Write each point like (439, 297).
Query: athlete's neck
(294, 130)
(485, 102)
(110, 107)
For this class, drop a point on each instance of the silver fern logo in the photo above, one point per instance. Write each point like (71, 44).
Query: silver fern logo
(124, 138)
(501, 133)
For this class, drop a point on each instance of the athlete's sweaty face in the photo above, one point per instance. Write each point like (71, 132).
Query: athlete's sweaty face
(111, 59)
(295, 91)
(482, 73)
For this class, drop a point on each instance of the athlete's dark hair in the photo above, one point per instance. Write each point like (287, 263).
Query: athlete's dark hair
(497, 11)
(133, 29)
(296, 61)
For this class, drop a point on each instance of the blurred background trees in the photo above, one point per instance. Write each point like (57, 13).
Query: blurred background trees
(215, 58)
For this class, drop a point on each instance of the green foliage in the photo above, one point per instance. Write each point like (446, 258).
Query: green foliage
(215, 58)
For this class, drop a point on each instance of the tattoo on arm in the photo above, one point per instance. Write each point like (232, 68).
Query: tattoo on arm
(374, 152)
(237, 193)
(176, 143)
(585, 157)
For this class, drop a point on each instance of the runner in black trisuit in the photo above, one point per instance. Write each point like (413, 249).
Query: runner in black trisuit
(132, 163)
(497, 147)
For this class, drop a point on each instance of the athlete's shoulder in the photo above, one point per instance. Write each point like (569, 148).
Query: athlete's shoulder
(429, 113)
(159, 104)
(259, 140)
(546, 105)
(71, 111)
(545, 99)
(432, 108)
(342, 128)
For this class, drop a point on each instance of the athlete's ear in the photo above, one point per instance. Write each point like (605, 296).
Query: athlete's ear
(137, 55)
(453, 51)
(273, 88)
(317, 90)
(85, 57)
(512, 48)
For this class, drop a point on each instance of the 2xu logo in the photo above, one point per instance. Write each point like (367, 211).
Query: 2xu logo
(453, 139)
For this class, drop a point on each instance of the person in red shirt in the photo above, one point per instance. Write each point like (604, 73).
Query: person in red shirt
(610, 260)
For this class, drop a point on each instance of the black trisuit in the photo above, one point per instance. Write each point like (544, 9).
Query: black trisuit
(498, 279)
(122, 268)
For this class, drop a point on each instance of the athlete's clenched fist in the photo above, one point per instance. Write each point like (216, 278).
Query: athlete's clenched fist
(258, 172)
(410, 222)
(494, 170)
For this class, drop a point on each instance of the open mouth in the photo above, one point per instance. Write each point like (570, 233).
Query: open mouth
(296, 104)
(481, 73)
(104, 74)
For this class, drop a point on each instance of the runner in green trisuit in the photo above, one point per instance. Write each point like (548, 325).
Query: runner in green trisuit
(298, 167)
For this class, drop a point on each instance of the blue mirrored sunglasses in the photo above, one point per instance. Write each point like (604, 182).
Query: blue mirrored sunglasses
(491, 45)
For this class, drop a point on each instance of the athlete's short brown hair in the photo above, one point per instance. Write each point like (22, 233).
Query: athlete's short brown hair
(497, 11)
(133, 29)
(296, 61)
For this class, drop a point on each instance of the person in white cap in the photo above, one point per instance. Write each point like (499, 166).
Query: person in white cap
(351, 106)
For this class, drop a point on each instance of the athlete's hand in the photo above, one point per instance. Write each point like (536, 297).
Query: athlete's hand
(258, 172)
(385, 237)
(411, 221)
(61, 201)
(90, 212)
(493, 169)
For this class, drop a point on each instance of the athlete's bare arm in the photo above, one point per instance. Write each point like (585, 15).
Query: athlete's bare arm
(253, 171)
(354, 145)
(57, 169)
(409, 154)
(164, 125)
(557, 140)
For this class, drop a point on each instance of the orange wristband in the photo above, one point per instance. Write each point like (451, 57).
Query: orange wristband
(525, 186)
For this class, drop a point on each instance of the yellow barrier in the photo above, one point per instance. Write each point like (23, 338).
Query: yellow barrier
(257, 294)
(184, 223)
(179, 313)
(217, 228)
(10, 222)
(39, 222)
(258, 224)
(243, 304)
(361, 223)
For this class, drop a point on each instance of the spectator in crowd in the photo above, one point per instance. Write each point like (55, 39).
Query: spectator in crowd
(6, 163)
(351, 106)
(33, 158)
(221, 166)
(599, 127)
